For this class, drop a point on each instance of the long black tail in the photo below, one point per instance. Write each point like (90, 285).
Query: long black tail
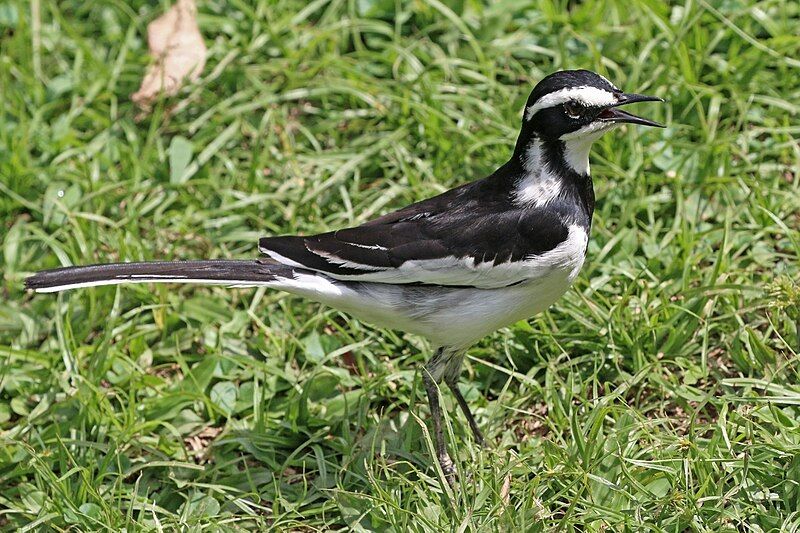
(235, 273)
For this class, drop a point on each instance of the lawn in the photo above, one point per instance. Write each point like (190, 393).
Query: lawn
(661, 393)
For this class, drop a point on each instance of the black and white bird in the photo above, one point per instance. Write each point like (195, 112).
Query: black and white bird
(452, 268)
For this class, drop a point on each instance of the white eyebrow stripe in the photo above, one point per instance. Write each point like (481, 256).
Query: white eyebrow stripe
(589, 96)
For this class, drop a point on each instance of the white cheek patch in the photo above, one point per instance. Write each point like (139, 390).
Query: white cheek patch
(588, 96)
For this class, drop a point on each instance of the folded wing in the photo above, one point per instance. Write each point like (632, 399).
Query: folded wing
(461, 246)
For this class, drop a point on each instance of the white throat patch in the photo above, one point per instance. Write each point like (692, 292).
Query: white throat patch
(539, 185)
(588, 96)
(578, 143)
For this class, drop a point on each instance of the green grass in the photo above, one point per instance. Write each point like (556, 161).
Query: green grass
(662, 393)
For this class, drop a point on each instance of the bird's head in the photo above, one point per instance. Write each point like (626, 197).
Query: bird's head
(575, 104)
(574, 108)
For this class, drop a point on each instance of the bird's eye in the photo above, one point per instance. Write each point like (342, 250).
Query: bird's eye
(573, 109)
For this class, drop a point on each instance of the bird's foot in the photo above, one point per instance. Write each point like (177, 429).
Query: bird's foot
(448, 469)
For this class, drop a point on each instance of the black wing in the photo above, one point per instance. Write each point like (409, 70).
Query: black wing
(459, 238)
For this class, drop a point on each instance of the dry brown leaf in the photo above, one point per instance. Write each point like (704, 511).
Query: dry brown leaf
(175, 41)
(199, 443)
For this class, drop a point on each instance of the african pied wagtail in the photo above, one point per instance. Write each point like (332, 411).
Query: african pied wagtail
(452, 268)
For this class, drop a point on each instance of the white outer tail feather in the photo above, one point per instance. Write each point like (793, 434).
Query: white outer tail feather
(231, 273)
(234, 284)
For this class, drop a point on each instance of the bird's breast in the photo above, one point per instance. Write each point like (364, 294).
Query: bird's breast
(564, 260)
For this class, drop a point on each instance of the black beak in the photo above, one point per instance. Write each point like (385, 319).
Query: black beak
(614, 114)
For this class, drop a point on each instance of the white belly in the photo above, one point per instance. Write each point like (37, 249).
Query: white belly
(459, 317)
(449, 316)
(475, 314)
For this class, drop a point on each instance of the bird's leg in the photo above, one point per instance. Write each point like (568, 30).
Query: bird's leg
(452, 382)
(436, 414)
